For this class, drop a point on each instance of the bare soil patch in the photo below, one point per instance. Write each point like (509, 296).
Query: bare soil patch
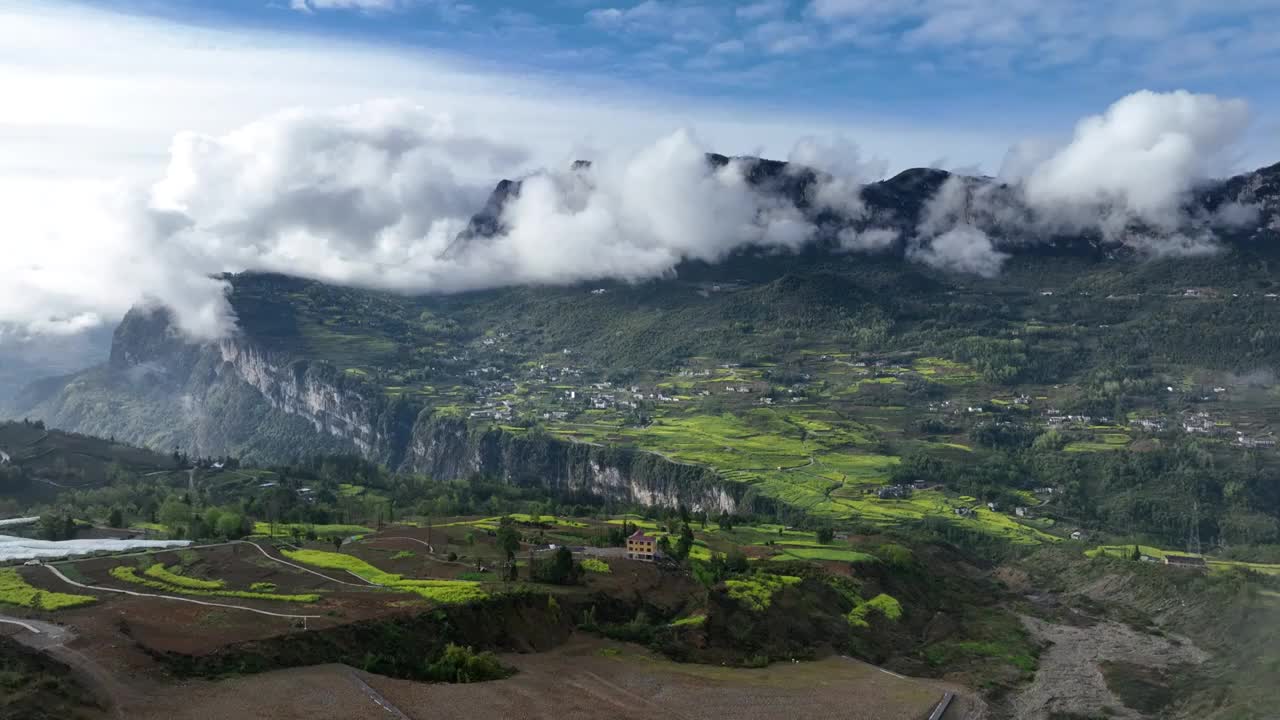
(586, 678)
(1071, 680)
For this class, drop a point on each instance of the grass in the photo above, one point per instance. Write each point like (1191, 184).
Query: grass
(1093, 447)
(164, 575)
(153, 527)
(989, 636)
(1125, 551)
(129, 574)
(756, 593)
(833, 554)
(263, 587)
(544, 519)
(690, 621)
(14, 590)
(286, 529)
(441, 591)
(404, 555)
(596, 566)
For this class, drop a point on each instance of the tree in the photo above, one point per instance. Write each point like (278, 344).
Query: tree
(664, 546)
(508, 538)
(725, 521)
(116, 518)
(825, 534)
(230, 526)
(174, 514)
(1136, 554)
(53, 527)
(685, 544)
(736, 561)
(561, 570)
(337, 543)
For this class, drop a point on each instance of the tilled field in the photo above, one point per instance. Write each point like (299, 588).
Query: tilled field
(586, 678)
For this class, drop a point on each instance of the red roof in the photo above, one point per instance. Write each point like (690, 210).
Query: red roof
(640, 536)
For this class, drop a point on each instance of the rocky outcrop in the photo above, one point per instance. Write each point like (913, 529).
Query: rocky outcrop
(311, 390)
(447, 447)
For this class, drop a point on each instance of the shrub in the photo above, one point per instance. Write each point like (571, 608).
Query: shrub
(163, 574)
(403, 555)
(886, 605)
(756, 593)
(458, 664)
(896, 555)
(560, 570)
(263, 587)
(16, 591)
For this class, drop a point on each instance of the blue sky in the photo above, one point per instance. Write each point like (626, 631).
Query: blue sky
(1020, 65)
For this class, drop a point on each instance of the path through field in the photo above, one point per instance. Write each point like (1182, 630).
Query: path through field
(135, 593)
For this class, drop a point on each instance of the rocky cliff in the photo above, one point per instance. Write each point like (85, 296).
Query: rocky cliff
(236, 397)
(446, 447)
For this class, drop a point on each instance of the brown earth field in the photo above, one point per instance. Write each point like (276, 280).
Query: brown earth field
(585, 678)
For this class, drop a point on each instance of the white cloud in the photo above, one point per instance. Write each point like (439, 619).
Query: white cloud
(838, 156)
(88, 128)
(1126, 175)
(366, 5)
(873, 240)
(679, 22)
(780, 37)
(139, 165)
(1144, 154)
(963, 248)
(762, 10)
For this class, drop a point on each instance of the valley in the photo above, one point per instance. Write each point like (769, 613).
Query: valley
(1049, 494)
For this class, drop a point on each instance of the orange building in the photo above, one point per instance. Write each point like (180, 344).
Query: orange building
(641, 546)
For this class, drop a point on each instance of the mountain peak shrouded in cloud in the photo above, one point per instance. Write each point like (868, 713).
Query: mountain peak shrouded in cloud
(392, 195)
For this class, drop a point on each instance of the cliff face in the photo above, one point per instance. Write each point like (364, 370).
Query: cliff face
(236, 397)
(449, 448)
(303, 389)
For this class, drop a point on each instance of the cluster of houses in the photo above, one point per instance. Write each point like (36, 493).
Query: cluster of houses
(1056, 419)
(898, 492)
(1254, 441)
(1201, 423)
(1020, 511)
(502, 412)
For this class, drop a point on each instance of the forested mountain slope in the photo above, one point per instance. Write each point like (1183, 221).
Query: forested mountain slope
(775, 381)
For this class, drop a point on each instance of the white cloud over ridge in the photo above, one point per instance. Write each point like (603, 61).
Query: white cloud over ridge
(374, 194)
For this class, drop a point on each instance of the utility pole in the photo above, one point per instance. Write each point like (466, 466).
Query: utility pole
(1195, 527)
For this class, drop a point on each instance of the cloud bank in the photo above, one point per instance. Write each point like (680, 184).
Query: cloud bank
(376, 194)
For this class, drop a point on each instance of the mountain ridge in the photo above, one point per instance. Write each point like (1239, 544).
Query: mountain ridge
(898, 204)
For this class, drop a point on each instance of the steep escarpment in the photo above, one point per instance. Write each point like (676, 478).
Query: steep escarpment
(332, 402)
(237, 397)
(447, 447)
